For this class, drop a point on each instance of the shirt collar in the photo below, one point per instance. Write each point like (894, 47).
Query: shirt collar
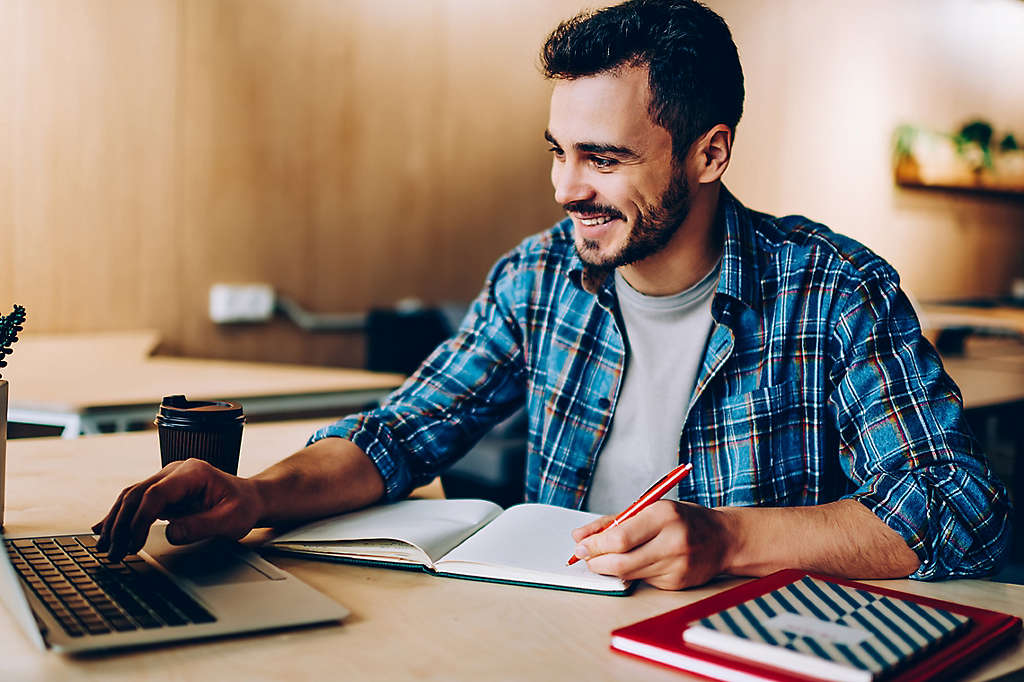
(740, 272)
(739, 278)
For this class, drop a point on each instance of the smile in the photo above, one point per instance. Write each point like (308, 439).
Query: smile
(591, 222)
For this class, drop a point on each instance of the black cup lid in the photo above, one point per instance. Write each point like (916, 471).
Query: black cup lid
(179, 408)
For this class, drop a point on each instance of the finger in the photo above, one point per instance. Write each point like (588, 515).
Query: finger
(121, 527)
(620, 539)
(595, 526)
(107, 524)
(169, 492)
(644, 561)
(104, 540)
(107, 533)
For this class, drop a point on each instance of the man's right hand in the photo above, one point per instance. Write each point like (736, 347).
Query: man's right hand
(199, 500)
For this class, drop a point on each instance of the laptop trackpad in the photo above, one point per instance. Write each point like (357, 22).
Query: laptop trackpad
(210, 565)
(207, 563)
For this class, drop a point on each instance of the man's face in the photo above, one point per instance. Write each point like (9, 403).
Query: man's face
(612, 168)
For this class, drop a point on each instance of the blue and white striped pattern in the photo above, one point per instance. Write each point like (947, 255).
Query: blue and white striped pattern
(816, 385)
(893, 630)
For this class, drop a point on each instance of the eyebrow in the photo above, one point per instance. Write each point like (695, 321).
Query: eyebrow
(597, 148)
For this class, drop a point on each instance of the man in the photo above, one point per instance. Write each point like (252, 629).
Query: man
(662, 322)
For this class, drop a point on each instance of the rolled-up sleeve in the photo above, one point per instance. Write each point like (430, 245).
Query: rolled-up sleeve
(467, 385)
(904, 442)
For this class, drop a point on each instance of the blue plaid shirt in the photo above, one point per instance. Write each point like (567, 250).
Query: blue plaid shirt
(816, 386)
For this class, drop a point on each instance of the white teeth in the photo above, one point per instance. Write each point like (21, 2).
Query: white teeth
(595, 221)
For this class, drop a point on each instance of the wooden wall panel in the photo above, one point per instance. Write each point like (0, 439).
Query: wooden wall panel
(8, 54)
(827, 85)
(94, 159)
(350, 153)
(356, 152)
(494, 114)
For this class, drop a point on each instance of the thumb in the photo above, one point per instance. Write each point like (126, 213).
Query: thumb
(193, 528)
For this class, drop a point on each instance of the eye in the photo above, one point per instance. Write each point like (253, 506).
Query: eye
(557, 151)
(603, 163)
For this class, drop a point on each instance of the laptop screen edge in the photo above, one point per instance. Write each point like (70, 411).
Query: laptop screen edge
(14, 598)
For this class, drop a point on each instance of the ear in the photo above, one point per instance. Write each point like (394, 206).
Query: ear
(711, 153)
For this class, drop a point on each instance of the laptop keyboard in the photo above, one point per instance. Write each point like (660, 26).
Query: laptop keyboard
(87, 593)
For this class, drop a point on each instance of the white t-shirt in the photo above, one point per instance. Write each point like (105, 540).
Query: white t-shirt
(666, 337)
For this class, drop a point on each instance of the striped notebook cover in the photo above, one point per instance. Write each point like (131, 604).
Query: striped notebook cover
(826, 630)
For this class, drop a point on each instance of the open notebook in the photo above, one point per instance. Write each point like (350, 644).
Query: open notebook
(527, 544)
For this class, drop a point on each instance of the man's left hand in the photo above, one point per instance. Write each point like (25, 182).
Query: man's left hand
(670, 545)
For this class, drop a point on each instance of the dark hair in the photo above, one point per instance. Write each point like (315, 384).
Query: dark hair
(695, 77)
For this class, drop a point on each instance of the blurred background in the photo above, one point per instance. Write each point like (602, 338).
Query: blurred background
(326, 183)
(354, 153)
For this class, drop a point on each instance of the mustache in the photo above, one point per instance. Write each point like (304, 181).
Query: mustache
(589, 208)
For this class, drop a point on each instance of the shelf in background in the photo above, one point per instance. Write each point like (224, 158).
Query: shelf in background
(907, 175)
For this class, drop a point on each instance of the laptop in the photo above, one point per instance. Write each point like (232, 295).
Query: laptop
(70, 598)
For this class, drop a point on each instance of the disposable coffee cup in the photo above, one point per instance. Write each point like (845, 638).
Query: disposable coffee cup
(210, 430)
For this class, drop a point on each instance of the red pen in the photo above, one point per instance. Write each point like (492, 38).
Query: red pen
(653, 494)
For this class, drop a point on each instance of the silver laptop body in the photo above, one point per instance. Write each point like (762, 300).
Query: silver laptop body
(242, 591)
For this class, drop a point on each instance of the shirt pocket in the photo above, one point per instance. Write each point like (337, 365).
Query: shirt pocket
(759, 448)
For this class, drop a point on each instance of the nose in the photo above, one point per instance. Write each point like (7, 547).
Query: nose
(570, 183)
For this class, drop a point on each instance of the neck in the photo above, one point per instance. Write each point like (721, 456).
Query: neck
(690, 254)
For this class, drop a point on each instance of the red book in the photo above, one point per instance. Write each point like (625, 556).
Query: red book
(660, 639)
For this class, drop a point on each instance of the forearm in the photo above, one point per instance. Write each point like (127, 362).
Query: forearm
(327, 477)
(841, 538)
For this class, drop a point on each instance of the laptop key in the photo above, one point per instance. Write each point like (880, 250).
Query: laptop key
(87, 593)
(96, 628)
(121, 623)
(165, 612)
(173, 619)
(147, 621)
(189, 607)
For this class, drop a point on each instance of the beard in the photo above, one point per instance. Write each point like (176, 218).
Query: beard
(653, 228)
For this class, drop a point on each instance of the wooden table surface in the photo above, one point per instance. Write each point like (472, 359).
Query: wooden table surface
(937, 315)
(77, 372)
(404, 625)
(985, 383)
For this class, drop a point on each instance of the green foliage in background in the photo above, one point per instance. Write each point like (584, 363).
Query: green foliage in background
(974, 137)
(979, 133)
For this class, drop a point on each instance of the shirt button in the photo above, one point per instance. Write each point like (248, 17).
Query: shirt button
(604, 403)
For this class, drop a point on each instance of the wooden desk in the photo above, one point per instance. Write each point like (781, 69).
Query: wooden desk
(404, 625)
(990, 371)
(987, 384)
(83, 382)
(1005, 318)
(990, 375)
